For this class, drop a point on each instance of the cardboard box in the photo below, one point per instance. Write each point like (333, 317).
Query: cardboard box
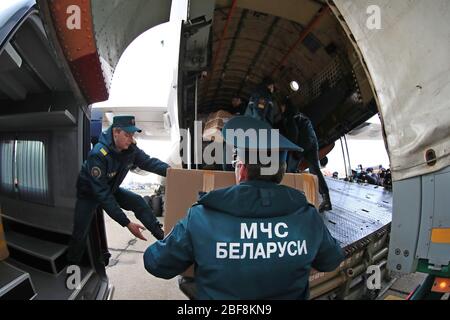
(214, 125)
(3, 247)
(183, 187)
(213, 130)
(221, 114)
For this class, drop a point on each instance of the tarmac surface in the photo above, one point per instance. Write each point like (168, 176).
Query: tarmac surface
(126, 270)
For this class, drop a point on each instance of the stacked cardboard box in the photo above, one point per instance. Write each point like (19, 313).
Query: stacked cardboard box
(180, 198)
(214, 125)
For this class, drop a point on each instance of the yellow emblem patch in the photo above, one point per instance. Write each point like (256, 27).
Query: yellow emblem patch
(103, 151)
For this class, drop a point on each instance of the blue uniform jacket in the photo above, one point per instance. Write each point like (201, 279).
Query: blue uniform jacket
(104, 170)
(255, 240)
(264, 111)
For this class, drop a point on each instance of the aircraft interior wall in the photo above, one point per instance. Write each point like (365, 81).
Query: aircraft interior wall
(253, 40)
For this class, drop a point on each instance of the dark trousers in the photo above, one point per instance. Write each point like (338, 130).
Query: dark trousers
(312, 159)
(84, 213)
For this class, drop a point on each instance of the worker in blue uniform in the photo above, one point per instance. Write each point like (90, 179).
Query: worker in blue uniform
(254, 240)
(261, 104)
(99, 185)
(307, 139)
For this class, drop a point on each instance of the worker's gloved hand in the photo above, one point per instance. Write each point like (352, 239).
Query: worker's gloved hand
(135, 229)
(157, 231)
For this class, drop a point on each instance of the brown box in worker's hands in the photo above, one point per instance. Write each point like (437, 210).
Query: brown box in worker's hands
(183, 188)
(3, 247)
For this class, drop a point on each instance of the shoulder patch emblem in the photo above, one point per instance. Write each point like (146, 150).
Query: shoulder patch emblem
(103, 151)
(96, 172)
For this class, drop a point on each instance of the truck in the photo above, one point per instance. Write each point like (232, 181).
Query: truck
(351, 59)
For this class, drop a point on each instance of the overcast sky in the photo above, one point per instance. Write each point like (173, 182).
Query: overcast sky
(144, 73)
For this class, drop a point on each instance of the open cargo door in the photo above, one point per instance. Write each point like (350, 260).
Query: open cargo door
(233, 45)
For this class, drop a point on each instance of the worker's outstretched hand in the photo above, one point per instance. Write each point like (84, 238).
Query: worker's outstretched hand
(135, 229)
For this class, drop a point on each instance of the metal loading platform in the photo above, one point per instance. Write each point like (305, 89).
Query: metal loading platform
(360, 221)
(358, 212)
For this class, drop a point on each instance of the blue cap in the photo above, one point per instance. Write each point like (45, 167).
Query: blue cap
(261, 139)
(126, 123)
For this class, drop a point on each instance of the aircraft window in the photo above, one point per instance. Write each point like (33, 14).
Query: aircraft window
(24, 170)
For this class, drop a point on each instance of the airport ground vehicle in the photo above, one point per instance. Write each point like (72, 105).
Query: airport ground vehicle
(348, 68)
